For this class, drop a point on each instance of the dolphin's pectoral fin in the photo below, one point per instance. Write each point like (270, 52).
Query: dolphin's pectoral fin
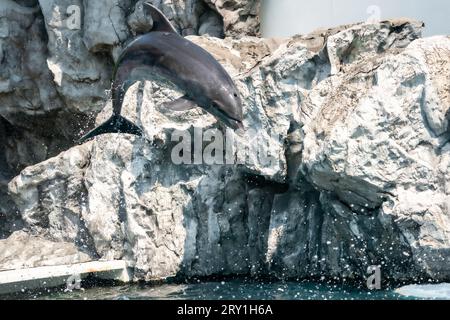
(115, 124)
(160, 22)
(181, 104)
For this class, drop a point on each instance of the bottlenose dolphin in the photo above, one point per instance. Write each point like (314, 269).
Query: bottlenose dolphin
(164, 53)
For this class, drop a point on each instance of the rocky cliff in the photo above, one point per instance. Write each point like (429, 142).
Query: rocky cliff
(342, 163)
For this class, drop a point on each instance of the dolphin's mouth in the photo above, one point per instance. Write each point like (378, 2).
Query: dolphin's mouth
(226, 119)
(237, 125)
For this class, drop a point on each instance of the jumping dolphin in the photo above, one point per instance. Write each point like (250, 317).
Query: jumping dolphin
(164, 53)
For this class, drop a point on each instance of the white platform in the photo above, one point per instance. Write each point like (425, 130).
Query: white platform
(53, 276)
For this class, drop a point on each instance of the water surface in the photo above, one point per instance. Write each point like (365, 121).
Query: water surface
(222, 290)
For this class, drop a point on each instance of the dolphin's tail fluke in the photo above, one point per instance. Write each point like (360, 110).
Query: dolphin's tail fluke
(115, 124)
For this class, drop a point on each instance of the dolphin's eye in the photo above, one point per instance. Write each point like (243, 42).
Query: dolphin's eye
(235, 95)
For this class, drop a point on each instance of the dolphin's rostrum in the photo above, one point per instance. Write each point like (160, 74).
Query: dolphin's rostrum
(164, 53)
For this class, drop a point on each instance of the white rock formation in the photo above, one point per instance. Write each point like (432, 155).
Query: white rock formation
(346, 147)
(126, 198)
(19, 252)
(56, 61)
(377, 138)
(354, 121)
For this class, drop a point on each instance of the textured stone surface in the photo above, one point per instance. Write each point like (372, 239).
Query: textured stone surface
(346, 131)
(124, 198)
(239, 17)
(361, 41)
(19, 252)
(380, 146)
(56, 60)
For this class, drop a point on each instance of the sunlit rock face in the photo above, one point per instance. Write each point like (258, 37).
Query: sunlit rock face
(380, 147)
(124, 197)
(342, 164)
(56, 62)
(19, 251)
(333, 199)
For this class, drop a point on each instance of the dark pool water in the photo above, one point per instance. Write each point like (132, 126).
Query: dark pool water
(227, 290)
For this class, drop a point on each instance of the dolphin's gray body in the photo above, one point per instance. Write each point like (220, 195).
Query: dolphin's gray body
(189, 67)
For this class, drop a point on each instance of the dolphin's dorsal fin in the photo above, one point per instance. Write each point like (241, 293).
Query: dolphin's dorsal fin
(160, 22)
